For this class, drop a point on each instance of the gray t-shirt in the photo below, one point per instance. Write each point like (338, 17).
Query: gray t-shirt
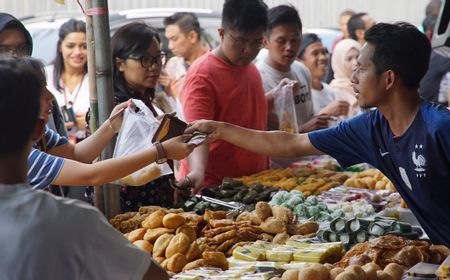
(321, 98)
(303, 100)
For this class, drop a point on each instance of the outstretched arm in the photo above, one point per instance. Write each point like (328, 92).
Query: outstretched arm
(75, 173)
(91, 147)
(269, 143)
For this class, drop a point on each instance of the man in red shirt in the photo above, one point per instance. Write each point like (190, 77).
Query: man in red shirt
(224, 85)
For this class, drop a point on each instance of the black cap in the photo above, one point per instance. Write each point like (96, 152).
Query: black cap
(7, 19)
(307, 39)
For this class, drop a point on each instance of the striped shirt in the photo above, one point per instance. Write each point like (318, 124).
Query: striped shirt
(42, 167)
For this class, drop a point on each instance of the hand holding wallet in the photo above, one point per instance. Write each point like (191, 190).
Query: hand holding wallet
(170, 127)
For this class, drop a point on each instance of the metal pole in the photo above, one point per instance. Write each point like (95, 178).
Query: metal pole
(100, 69)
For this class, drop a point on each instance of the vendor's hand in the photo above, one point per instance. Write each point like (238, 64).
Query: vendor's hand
(116, 116)
(205, 126)
(194, 180)
(176, 148)
(336, 108)
(317, 122)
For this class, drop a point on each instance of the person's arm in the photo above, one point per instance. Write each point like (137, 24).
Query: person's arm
(91, 147)
(197, 161)
(268, 143)
(336, 108)
(75, 173)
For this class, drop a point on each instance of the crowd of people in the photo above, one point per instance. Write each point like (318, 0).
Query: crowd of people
(360, 103)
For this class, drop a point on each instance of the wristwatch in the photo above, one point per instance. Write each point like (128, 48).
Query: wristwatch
(161, 156)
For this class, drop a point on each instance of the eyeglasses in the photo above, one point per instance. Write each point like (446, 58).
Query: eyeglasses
(241, 44)
(16, 51)
(149, 60)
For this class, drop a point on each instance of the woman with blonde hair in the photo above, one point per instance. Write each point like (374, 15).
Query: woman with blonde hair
(343, 63)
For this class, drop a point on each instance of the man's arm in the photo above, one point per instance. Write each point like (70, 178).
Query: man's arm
(268, 143)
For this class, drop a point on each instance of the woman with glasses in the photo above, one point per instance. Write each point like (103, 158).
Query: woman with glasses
(67, 77)
(137, 63)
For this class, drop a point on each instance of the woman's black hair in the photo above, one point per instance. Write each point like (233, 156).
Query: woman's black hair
(131, 39)
(70, 26)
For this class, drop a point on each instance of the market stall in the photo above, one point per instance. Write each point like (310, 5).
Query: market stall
(313, 221)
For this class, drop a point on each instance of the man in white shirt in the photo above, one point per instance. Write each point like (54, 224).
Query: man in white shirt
(282, 39)
(42, 236)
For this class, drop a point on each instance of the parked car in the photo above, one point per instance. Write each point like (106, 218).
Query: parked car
(327, 35)
(44, 27)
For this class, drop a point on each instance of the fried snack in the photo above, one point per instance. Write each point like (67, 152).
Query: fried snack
(265, 237)
(164, 264)
(189, 231)
(192, 219)
(221, 223)
(154, 220)
(216, 259)
(282, 213)
(137, 234)
(214, 215)
(159, 259)
(227, 244)
(273, 225)
(133, 223)
(173, 220)
(144, 245)
(179, 244)
(148, 209)
(194, 264)
(175, 210)
(118, 219)
(176, 263)
(202, 243)
(280, 238)
(193, 252)
(388, 242)
(248, 233)
(249, 216)
(409, 256)
(215, 231)
(159, 248)
(308, 228)
(152, 234)
(220, 238)
(263, 210)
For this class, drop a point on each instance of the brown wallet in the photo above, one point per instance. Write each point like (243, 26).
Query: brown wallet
(170, 127)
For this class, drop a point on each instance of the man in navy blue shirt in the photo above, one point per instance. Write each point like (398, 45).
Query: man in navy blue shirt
(405, 137)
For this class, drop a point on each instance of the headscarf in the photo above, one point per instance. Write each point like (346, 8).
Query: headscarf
(7, 19)
(341, 83)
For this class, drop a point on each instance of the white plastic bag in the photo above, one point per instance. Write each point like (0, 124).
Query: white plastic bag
(284, 108)
(138, 128)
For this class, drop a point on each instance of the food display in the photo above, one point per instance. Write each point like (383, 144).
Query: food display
(370, 179)
(305, 179)
(308, 222)
(353, 231)
(391, 248)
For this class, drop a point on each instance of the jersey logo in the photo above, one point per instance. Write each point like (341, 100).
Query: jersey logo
(419, 161)
(383, 153)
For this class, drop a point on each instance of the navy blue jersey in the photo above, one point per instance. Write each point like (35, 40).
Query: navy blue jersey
(417, 163)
